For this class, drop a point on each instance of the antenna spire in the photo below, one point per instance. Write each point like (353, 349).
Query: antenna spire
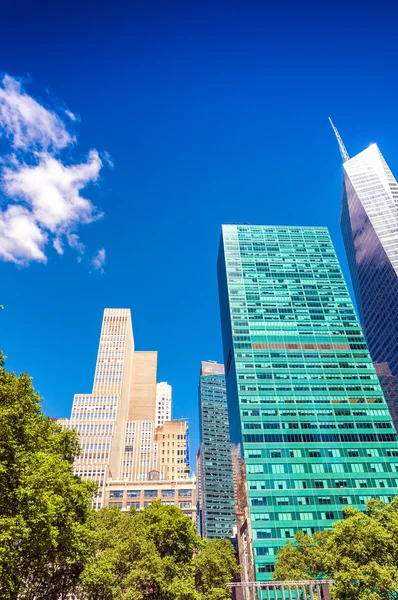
(343, 151)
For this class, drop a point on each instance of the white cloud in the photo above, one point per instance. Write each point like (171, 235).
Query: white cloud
(52, 190)
(27, 123)
(21, 240)
(45, 204)
(99, 260)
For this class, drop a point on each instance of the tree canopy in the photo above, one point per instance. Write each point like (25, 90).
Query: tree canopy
(43, 508)
(155, 554)
(54, 546)
(360, 553)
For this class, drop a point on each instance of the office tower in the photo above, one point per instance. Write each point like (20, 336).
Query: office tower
(304, 399)
(163, 403)
(133, 460)
(369, 223)
(218, 514)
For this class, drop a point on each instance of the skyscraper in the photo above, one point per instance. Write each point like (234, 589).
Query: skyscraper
(216, 498)
(304, 399)
(369, 223)
(133, 459)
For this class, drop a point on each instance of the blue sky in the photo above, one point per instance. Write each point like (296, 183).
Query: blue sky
(211, 113)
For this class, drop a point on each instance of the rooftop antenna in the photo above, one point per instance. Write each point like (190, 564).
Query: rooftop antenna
(343, 151)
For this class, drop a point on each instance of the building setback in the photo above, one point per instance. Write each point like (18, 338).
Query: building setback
(163, 403)
(133, 460)
(216, 498)
(304, 399)
(369, 224)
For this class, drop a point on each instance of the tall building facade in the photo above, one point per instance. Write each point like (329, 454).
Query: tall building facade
(163, 403)
(304, 399)
(369, 223)
(133, 459)
(217, 508)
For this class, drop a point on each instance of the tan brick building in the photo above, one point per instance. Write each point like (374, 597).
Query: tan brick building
(132, 460)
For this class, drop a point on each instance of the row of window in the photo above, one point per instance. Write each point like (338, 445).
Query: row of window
(323, 452)
(182, 493)
(314, 438)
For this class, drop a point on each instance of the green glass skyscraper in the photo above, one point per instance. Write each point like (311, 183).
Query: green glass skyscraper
(216, 510)
(304, 400)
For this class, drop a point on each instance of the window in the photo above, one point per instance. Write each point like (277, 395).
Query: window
(318, 468)
(282, 501)
(376, 468)
(325, 500)
(338, 468)
(116, 494)
(133, 493)
(344, 500)
(314, 453)
(278, 468)
(280, 485)
(301, 501)
(285, 516)
(361, 483)
(306, 516)
(167, 493)
(353, 453)
(150, 493)
(340, 484)
(266, 568)
(276, 454)
(328, 515)
(262, 551)
(184, 493)
(259, 502)
(287, 533)
(357, 468)
(117, 504)
(334, 453)
(298, 469)
(263, 533)
(372, 452)
(185, 504)
(295, 453)
(135, 505)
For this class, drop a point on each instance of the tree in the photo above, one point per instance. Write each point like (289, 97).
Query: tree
(360, 553)
(155, 554)
(44, 536)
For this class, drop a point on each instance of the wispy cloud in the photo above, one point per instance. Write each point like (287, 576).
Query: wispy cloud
(99, 260)
(28, 124)
(42, 193)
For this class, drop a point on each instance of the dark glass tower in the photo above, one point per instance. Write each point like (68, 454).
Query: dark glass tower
(304, 399)
(217, 511)
(369, 223)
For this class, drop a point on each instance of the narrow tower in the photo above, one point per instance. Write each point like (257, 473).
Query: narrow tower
(369, 224)
(216, 497)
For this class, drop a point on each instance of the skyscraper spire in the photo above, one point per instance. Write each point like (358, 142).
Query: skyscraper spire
(343, 151)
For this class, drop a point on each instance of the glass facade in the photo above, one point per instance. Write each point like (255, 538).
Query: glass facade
(216, 479)
(369, 223)
(304, 399)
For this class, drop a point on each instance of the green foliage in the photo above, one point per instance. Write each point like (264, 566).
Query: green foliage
(360, 553)
(43, 507)
(155, 554)
(53, 546)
